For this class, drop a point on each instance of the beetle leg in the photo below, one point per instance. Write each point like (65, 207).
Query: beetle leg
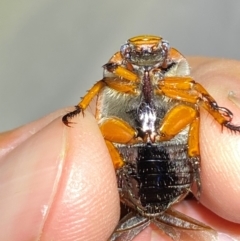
(177, 82)
(196, 166)
(83, 104)
(121, 72)
(186, 89)
(178, 95)
(124, 81)
(194, 152)
(118, 131)
(70, 115)
(222, 115)
(120, 85)
(178, 88)
(193, 138)
(115, 155)
(176, 120)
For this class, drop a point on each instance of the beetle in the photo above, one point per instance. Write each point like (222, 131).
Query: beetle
(148, 110)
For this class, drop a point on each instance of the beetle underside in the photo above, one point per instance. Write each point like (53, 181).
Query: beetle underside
(148, 113)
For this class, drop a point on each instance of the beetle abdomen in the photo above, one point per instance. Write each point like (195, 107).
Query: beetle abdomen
(162, 179)
(154, 176)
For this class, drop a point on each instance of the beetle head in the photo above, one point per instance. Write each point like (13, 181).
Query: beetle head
(145, 50)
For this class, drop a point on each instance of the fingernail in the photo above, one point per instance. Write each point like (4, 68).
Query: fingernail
(225, 237)
(234, 97)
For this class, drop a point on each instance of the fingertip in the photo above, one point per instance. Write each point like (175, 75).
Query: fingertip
(86, 206)
(64, 180)
(197, 211)
(27, 176)
(9, 140)
(219, 146)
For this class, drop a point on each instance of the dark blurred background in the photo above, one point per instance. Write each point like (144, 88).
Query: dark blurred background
(51, 51)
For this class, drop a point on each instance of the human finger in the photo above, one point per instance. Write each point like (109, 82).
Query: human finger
(220, 156)
(61, 182)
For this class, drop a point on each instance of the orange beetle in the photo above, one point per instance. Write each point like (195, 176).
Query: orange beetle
(148, 113)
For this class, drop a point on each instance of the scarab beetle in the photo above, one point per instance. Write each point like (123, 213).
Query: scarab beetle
(148, 113)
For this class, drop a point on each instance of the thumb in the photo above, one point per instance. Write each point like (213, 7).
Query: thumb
(56, 184)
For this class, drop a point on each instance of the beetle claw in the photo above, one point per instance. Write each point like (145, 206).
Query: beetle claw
(232, 127)
(70, 115)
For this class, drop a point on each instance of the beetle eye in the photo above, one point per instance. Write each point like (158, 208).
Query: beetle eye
(125, 49)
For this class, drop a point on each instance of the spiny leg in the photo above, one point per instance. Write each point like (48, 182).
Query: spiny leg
(70, 115)
(186, 89)
(83, 104)
(124, 82)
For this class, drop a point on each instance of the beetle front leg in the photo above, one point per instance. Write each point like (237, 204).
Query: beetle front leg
(83, 104)
(121, 72)
(124, 82)
(120, 79)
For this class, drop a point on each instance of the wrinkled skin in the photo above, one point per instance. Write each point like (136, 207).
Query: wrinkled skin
(58, 183)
